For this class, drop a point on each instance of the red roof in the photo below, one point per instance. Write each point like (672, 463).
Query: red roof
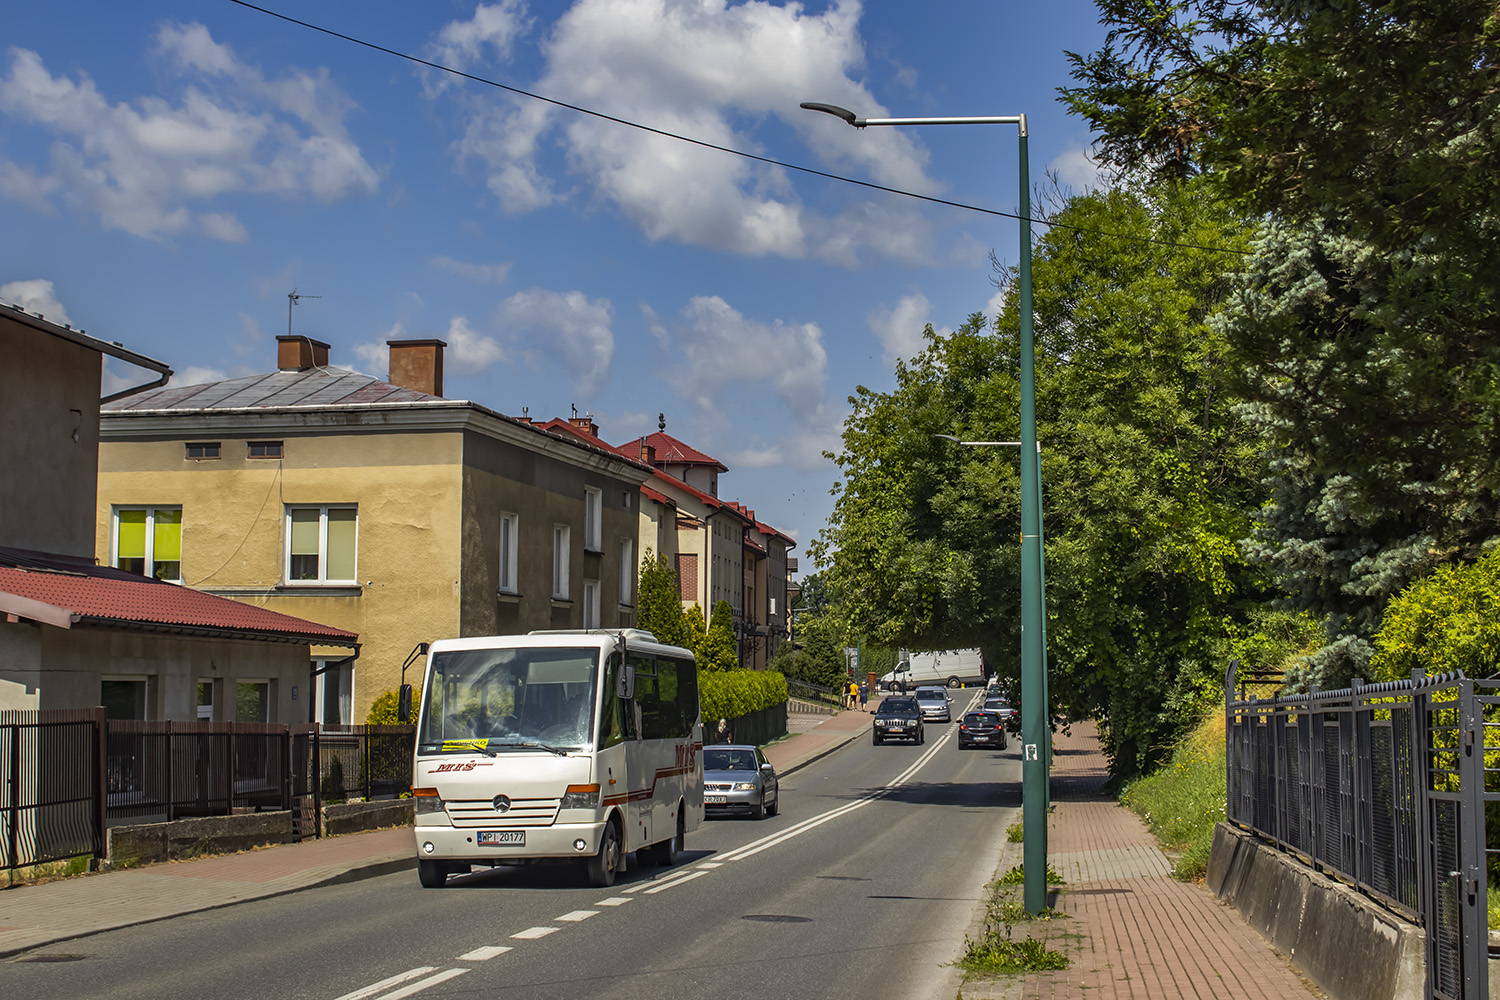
(670, 451)
(68, 591)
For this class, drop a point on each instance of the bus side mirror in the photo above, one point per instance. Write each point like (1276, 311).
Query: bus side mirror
(403, 704)
(625, 684)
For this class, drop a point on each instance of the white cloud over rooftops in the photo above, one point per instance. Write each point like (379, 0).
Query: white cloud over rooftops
(36, 295)
(149, 165)
(566, 330)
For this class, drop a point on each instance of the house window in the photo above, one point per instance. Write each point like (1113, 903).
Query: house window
(148, 541)
(264, 449)
(320, 544)
(561, 552)
(591, 604)
(199, 451)
(627, 571)
(593, 514)
(333, 682)
(509, 534)
(123, 698)
(206, 697)
(252, 701)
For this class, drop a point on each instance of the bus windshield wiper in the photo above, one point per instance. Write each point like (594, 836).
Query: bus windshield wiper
(474, 746)
(528, 745)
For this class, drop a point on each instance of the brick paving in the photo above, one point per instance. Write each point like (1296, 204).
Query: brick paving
(1131, 931)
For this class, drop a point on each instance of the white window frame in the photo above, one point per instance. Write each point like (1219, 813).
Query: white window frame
(591, 604)
(150, 509)
(510, 536)
(627, 571)
(322, 579)
(593, 519)
(562, 554)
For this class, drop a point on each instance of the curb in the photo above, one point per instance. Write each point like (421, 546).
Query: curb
(957, 980)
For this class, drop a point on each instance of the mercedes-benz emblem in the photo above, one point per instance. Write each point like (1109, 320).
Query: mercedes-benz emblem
(502, 803)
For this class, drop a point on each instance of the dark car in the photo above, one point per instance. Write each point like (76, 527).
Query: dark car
(981, 729)
(739, 779)
(899, 719)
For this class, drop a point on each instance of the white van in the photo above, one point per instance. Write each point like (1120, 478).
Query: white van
(578, 745)
(945, 668)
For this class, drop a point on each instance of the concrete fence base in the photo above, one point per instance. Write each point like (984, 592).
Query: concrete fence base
(1350, 947)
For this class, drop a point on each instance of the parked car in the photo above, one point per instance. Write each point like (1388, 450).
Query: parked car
(739, 780)
(934, 703)
(899, 718)
(981, 729)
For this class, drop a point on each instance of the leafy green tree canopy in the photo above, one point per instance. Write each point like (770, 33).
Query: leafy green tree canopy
(1446, 621)
(658, 602)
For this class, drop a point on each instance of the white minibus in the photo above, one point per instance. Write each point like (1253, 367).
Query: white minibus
(580, 745)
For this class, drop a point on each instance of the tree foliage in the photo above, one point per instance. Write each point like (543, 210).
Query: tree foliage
(384, 709)
(1446, 621)
(1148, 477)
(658, 602)
(719, 649)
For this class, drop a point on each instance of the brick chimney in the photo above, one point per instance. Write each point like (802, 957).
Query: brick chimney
(417, 365)
(296, 353)
(647, 453)
(585, 423)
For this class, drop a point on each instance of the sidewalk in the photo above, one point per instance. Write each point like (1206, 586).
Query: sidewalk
(1132, 930)
(35, 915)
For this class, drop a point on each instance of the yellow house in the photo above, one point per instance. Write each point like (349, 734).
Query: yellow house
(377, 507)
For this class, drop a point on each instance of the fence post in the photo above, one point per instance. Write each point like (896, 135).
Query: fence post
(317, 781)
(101, 784)
(365, 743)
(1231, 786)
(1364, 862)
(1471, 888)
(14, 780)
(171, 776)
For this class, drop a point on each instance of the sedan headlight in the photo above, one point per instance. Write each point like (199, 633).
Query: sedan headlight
(744, 786)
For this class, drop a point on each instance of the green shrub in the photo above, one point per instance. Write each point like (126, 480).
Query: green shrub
(383, 710)
(1183, 800)
(1448, 620)
(332, 788)
(729, 694)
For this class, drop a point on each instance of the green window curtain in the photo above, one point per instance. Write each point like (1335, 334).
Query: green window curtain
(341, 522)
(130, 543)
(168, 536)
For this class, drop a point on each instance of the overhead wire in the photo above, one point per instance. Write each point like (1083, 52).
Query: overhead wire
(715, 146)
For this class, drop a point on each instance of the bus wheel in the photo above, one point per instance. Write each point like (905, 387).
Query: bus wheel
(432, 874)
(601, 867)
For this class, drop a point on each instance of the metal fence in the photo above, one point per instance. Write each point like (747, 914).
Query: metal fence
(68, 775)
(1385, 787)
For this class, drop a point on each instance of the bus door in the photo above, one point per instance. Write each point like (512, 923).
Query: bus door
(641, 752)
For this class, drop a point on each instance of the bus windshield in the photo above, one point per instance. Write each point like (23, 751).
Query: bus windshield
(488, 700)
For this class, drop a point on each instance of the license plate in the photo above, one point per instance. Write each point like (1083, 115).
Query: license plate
(715, 800)
(507, 838)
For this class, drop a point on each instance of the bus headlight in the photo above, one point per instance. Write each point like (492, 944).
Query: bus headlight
(428, 800)
(580, 797)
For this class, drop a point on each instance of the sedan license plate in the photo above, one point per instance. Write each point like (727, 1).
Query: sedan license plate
(502, 838)
(715, 800)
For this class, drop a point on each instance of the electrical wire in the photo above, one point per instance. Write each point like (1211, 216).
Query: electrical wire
(715, 146)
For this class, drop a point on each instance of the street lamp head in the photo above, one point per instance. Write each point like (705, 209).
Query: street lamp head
(832, 109)
(948, 437)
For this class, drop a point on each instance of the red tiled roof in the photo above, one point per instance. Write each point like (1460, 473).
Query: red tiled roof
(68, 591)
(670, 451)
(660, 498)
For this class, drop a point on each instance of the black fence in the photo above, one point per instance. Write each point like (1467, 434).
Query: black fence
(1385, 787)
(68, 775)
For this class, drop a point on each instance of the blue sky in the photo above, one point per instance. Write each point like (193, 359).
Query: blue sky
(169, 171)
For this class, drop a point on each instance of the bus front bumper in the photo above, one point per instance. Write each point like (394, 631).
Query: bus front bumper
(497, 845)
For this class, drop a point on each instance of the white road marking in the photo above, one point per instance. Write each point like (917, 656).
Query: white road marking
(710, 864)
(418, 987)
(532, 933)
(613, 901)
(385, 984)
(578, 915)
(484, 954)
(675, 882)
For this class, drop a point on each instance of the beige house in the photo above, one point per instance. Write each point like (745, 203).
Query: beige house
(379, 507)
(77, 635)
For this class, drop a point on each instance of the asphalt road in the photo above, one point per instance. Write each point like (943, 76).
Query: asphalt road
(862, 887)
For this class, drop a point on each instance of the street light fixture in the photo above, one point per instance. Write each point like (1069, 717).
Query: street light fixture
(1035, 722)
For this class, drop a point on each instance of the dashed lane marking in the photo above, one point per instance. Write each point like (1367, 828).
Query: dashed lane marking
(484, 954)
(613, 901)
(532, 933)
(578, 915)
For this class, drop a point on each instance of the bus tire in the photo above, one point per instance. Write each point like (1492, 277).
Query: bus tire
(432, 874)
(601, 868)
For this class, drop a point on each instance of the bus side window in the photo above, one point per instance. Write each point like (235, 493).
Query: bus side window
(612, 714)
(645, 698)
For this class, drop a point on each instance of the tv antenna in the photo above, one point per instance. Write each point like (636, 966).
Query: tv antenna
(292, 298)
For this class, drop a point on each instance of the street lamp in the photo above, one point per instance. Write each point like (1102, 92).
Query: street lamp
(1034, 715)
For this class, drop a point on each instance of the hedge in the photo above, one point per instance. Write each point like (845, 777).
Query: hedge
(729, 694)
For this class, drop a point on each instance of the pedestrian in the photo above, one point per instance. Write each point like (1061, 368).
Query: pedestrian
(864, 695)
(851, 693)
(722, 735)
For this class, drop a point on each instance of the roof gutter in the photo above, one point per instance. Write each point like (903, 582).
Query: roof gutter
(113, 349)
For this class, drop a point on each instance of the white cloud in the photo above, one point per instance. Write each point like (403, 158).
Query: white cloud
(468, 352)
(707, 69)
(492, 30)
(484, 274)
(146, 166)
(1077, 169)
(198, 375)
(717, 346)
(574, 329)
(36, 295)
(900, 327)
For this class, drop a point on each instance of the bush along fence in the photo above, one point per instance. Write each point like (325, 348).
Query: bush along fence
(68, 775)
(752, 701)
(1385, 787)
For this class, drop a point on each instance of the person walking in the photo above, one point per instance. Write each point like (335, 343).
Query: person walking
(864, 695)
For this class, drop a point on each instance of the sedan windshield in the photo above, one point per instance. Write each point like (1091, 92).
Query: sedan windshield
(494, 699)
(728, 760)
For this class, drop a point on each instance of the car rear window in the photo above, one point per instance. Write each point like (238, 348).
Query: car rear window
(982, 719)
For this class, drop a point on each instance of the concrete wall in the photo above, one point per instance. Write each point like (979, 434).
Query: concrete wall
(407, 486)
(49, 391)
(1346, 944)
(46, 667)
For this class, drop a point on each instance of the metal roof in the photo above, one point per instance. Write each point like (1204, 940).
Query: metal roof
(312, 387)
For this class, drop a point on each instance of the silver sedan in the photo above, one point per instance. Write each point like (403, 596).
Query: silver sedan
(739, 780)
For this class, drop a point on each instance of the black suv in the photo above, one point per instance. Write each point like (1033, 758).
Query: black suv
(899, 719)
